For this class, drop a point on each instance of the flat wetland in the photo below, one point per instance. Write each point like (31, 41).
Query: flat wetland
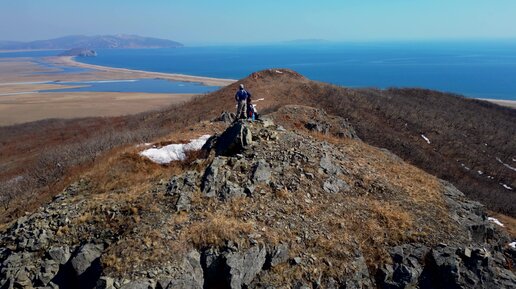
(23, 78)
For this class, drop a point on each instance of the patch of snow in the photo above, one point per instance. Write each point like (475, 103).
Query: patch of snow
(506, 186)
(480, 172)
(512, 245)
(259, 99)
(465, 167)
(277, 71)
(425, 138)
(143, 145)
(506, 165)
(490, 177)
(174, 152)
(496, 221)
(514, 160)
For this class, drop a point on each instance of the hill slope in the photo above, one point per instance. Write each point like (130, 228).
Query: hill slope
(92, 42)
(293, 201)
(396, 119)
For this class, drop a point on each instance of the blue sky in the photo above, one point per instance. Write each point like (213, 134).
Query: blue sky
(231, 21)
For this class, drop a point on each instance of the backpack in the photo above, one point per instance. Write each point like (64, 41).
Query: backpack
(242, 94)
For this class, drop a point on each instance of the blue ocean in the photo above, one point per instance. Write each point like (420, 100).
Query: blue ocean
(473, 69)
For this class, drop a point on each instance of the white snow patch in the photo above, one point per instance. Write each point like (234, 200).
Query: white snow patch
(514, 160)
(496, 221)
(174, 152)
(465, 167)
(506, 165)
(277, 71)
(480, 172)
(513, 245)
(506, 186)
(259, 99)
(425, 138)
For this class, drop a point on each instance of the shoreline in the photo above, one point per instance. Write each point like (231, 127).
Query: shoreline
(501, 102)
(209, 81)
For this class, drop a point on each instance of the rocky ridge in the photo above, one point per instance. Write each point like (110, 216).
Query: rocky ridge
(295, 200)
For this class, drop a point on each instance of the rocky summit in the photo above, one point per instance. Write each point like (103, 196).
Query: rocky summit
(293, 200)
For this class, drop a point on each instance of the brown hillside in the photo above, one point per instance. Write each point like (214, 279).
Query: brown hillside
(458, 129)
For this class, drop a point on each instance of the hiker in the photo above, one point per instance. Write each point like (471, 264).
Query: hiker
(241, 98)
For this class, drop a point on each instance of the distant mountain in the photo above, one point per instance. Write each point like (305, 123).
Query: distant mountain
(92, 42)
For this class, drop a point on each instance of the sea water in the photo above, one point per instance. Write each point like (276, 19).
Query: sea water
(473, 69)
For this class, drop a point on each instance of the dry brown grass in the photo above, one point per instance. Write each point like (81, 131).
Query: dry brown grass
(509, 223)
(216, 230)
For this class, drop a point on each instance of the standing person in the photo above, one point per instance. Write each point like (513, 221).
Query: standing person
(241, 98)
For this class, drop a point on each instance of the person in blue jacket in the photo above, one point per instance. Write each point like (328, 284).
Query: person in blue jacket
(241, 97)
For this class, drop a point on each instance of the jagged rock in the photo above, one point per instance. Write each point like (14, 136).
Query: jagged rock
(327, 165)
(234, 139)
(278, 255)
(227, 117)
(262, 172)
(360, 277)
(192, 277)
(321, 127)
(86, 264)
(212, 181)
(105, 283)
(444, 267)
(22, 280)
(183, 186)
(243, 267)
(231, 190)
(470, 215)
(335, 185)
(49, 270)
(60, 254)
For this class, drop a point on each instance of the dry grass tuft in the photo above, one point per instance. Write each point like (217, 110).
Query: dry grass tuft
(216, 229)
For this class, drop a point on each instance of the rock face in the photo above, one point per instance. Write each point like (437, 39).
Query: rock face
(285, 196)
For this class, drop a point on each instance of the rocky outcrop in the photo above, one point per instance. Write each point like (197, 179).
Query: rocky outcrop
(298, 189)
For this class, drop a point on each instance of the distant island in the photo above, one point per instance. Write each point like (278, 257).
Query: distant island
(92, 42)
(79, 52)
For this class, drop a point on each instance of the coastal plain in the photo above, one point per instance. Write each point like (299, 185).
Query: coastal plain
(22, 80)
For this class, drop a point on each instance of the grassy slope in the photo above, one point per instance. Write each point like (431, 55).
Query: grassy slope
(458, 128)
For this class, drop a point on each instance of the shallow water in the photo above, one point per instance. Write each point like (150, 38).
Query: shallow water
(136, 85)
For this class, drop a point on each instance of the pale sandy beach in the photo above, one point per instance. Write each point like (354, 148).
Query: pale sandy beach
(502, 102)
(69, 61)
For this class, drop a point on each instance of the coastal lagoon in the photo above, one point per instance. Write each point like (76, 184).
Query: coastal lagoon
(473, 69)
(151, 85)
